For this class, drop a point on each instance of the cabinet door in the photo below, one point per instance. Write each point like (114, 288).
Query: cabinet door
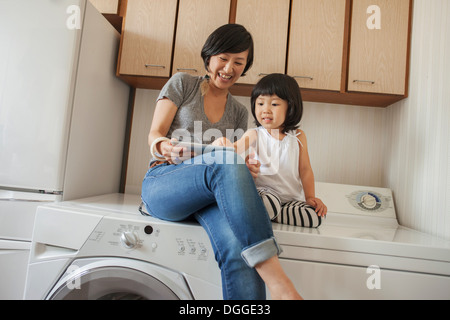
(316, 43)
(196, 20)
(267, 21)
(106, 6)
(379, 44)
(148, 38)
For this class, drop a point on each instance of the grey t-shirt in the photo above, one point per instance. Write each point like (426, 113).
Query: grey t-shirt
(191, 123)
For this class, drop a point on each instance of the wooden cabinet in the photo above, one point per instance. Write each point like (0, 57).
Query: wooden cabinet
(340, 51)
(197, 19)
(148, 35)
(379, 46)
(268, 23)
(112, 10)
(316, 43)
(106, 6)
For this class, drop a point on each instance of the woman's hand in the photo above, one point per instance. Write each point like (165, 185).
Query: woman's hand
(173, 154)
(321, 208)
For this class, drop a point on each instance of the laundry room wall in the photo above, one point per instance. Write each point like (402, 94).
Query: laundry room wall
(417, 165)
(405, 147)
(345, 143)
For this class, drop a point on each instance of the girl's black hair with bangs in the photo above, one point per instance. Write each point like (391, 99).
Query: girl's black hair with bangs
(229, 38)
(286, 88)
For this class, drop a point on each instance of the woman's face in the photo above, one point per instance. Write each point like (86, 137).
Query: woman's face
(226, 68)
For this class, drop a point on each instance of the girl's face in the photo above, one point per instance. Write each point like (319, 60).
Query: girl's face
(271, 111)
(226, 68)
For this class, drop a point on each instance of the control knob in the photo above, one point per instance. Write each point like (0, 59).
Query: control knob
(369, 201)
(129, 239)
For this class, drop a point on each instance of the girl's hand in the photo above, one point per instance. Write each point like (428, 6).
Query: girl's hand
(222, 142)
(321, 208)
(253, 165)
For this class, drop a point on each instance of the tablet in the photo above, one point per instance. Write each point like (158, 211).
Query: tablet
(199, 148)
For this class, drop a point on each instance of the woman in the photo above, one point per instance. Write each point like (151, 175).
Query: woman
(213, 191)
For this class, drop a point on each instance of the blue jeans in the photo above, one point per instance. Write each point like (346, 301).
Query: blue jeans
(223, 198)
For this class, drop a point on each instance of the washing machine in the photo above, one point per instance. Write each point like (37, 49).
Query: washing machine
(104, 248)
(361, 252)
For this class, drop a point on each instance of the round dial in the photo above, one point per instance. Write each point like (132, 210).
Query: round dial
(129, 239)
(369, 201)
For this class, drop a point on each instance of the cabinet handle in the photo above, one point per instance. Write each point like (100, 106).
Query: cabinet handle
(364, 81)
(263, 74)
(154, 66)
(303, 77)
(187, 69)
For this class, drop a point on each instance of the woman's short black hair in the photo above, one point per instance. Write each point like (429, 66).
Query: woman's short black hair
(286, 88)
(229, 38)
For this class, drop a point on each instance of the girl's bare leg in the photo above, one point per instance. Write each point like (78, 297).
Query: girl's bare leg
(278, 283)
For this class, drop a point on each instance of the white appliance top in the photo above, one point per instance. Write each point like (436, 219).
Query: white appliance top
(363, 220)
(359, 220)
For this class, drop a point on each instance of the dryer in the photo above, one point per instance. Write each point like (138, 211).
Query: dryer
(103, 248)
(361, 252)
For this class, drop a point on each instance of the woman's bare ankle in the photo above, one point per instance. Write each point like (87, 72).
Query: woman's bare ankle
(278, 283)
(283, 290)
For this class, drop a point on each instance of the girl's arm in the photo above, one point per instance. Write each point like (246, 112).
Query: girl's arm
(307, 177)
(248, 140)
(241, 146)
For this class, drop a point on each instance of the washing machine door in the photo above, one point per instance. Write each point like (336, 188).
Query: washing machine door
(119, 279)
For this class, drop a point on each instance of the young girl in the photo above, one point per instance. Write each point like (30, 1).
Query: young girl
(286, 179)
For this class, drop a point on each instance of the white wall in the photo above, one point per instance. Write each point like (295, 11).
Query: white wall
(345, 142)
(405, 147)
(139, 152)
(418, 138)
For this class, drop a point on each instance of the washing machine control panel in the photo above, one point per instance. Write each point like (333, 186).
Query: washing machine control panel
(369, 201)
(357, 200)
(184, 244)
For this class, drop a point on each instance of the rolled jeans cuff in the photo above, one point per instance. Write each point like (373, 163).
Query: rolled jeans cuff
(260, 252)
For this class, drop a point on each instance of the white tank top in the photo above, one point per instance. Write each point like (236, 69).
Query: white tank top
(279, 165)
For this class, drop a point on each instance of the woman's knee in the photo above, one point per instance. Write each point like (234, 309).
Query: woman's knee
(228, 157)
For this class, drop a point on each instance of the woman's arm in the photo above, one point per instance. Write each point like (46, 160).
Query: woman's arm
(162, 120)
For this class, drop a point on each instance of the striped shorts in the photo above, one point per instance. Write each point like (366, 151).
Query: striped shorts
(294, 213)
